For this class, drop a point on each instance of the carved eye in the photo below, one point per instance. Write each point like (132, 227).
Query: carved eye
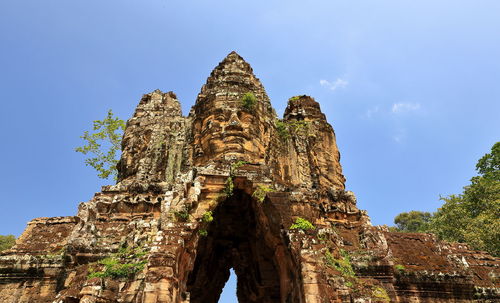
(245, 117)
(207, 123)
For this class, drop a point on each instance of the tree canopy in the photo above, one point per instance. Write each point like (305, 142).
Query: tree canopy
(471, 217)
(7, 242)
(413, 221)
(102, 145)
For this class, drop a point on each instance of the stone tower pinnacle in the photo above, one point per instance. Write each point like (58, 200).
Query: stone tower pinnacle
(229, 80)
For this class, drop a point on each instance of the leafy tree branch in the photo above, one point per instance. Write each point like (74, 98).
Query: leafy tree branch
(102, 144)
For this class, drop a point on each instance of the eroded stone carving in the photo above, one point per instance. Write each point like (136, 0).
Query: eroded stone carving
(218, 189)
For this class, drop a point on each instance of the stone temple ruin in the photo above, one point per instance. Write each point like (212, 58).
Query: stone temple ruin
(231, 186)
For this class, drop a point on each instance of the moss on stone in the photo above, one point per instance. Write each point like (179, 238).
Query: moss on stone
(380, 294)
(261, 192)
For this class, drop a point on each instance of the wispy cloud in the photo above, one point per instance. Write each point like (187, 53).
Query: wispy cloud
(339, 83)
(400, 135)
(371, 111)
(404, 107)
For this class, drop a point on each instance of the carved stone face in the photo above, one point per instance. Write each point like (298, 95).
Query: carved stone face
(229, 133)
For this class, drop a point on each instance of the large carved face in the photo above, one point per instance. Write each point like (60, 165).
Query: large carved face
(230, 133)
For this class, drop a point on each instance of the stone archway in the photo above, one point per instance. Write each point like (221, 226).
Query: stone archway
(243, 237)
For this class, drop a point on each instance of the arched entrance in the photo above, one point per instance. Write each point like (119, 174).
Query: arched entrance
(243, 236)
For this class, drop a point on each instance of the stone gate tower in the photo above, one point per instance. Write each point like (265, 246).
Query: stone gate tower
(233, 186)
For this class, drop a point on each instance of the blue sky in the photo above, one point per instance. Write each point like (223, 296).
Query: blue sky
(410, 87)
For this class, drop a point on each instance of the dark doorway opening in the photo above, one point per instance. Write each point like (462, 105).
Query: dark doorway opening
(239, 238)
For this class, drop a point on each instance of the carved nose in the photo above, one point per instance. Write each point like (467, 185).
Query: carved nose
(234, 119)
(234, 123)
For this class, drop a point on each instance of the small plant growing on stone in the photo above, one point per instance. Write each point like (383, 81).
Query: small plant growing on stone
(294, 98)
(228, 190)
(120, 265)
(203, 232)
(302, 224)
(400, 268)
(322, 237)
(261, 192)
(329, 259)
(282, 129)
(207, 217)
(298, 125)
(248, 101)
(236, 165)
(343, 265)
(380, 293)
(182, 216)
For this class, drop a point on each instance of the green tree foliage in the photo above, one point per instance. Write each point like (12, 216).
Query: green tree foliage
(7, 242)
(489, 164)
(102, 145)
(413, 221)
(474, 215)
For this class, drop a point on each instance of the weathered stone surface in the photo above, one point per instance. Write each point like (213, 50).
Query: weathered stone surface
(220, 188)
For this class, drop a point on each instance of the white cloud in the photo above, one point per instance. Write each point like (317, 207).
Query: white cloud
(404, 107)
(339, 83)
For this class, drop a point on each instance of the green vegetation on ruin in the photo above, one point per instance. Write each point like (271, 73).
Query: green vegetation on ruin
(298, 125)
(203, 232)
(123, 264)
(182, 215)
(229, 188)
(261, 192)
(400, 268)
(236, 165)
(207, 217)
(380, 294)
(286, 128)
(282, 129)
(248, 101)
(302, 224)
(343, 265)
